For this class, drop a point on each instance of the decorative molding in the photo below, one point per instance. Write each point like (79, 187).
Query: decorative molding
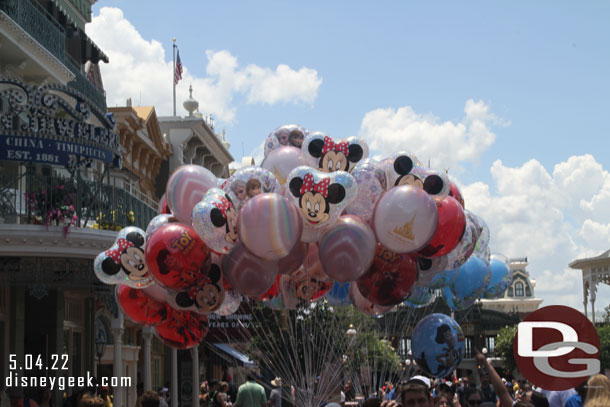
(34, 50)
(38, 240)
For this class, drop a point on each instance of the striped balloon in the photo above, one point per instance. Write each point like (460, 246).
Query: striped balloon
(269, 225)
(185, 188)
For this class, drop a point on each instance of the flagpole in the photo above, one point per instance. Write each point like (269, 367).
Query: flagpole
(174, 73)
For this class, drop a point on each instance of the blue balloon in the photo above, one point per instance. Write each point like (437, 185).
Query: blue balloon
(501, 277)
(438, 345)
(419, 296)
(443, 279)
(338, 294)
(471, 282)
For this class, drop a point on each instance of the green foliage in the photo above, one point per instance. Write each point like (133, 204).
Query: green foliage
(504, 346)
(604, 345)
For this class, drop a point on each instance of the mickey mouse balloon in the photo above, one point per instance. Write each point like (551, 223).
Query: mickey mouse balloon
(321, 197)
(329, 156)
(214, 220)
(206, 296)
(124, 262)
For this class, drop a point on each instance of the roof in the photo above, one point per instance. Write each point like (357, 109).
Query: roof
(144, 112)
(583, 263)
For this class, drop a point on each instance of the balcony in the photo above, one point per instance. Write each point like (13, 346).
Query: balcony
(43, 27)
(29, 197)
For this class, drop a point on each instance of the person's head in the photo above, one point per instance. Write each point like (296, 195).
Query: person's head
(277, 382)
(86, 401)
(239, 188)
(465, 381)
(374, 402)
(598, 391)
(104, 391)
(224, 387)
(251, 377)
(150, 399)
(296, 138)
(253, 187)
(473, 397)
(539, 399)
(163, 392)
(442, 400)
(484, 379)
(415, 393)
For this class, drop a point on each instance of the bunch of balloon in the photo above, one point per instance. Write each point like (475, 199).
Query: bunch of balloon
(318, 219)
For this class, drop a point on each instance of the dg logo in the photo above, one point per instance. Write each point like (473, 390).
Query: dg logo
(556, 348)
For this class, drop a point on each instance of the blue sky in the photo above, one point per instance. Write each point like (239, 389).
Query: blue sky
(536, 74)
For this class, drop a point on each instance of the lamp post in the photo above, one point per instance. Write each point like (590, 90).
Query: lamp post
(100, 348)
(351, 335)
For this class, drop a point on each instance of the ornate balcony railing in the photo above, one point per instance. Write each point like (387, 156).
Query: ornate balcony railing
(46, 30)
(31, 198)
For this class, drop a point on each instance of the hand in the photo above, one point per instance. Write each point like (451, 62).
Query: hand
(480, 358)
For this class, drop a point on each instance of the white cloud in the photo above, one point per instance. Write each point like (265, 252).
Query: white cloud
(534, 213)
(446, 144)
(140, 69)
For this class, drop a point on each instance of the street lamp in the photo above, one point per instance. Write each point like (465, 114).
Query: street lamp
(100, 348)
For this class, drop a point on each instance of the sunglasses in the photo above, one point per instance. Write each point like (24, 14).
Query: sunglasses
(474, 402)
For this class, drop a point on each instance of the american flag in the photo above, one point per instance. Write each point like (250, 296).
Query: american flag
(178, 71)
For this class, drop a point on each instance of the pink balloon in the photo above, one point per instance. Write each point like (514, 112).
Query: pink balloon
(294, 259)
(365, 305)
(282, 161)
(248, 274)
(405, 219)
(269, 225)
(186, 187)
(347, 249)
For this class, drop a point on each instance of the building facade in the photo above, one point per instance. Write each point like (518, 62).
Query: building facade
(595, 271)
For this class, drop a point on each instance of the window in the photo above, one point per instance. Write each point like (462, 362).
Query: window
(468, 347)
(490, 344)
(519, 289)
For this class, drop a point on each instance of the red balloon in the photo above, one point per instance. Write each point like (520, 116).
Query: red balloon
(163, 206)
(455, 193)
(390, 278)
(450, 229)
(273, 291)
(140, 308)
(183, 329)
(175, 256)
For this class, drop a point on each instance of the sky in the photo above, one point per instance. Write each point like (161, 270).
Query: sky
(511, 97)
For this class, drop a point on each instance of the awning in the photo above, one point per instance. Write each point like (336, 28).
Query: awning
(236, 355)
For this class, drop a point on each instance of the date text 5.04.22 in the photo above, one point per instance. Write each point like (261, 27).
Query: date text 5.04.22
(31, 362)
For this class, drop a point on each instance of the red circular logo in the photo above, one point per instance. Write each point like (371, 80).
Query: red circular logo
(556, 348)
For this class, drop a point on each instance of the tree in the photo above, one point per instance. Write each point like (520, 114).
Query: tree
(504, 346)
(604, 346)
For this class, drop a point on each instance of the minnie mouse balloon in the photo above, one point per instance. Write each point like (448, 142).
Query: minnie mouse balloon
(390, 278)
(185, 187)
(215, 219)
(182, 329)
(400, 170)
(270, 225)
(451, 225)
(124, 262)
(138, 307)
(368, 176)
(327, 155)
(282, 161)
(321, 197)
(303, 286)
(248, 274)
(347, 249)
(204, 297)
(405, 219)
(287, 135)
(176, 256)
(248, 182)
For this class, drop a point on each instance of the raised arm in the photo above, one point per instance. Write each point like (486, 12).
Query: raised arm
(494, 378)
